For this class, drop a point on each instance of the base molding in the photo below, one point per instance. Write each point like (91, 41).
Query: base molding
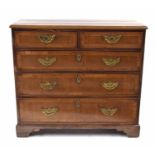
(27, 130)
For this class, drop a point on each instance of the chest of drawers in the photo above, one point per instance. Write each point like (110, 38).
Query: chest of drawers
(82, 75)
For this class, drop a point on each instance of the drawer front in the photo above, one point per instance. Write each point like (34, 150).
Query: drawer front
(78, 61)
(73, 110)
(111, 39)
(68, 84)
(45, 39)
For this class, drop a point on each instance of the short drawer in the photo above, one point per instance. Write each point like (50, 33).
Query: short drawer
(45, 39)
(111, 39)
(72, 110)
(82, 84)
(78, 61)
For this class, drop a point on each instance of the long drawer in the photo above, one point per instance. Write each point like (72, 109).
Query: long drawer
(72, 110)
(111, 39)
(74, 84)
(45, 39)
(78, 61)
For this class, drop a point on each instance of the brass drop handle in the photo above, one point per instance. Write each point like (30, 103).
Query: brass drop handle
(111, 61)
(112, 39)
(109, 85)
(47, 61)
(78, 57)
(49, 111)
(48, 85)
(108, 111)
(47, 38)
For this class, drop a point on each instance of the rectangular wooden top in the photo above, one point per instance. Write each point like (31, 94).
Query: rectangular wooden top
(77, 24)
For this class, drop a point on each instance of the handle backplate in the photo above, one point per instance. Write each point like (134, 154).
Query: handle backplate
(112, 39)
(47, 38)
(109, 85)
(108, 111)
(48, 85)
(49, 111)
(111, 61)
(47, 61)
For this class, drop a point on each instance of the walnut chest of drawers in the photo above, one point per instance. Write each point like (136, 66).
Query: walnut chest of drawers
(78, 75)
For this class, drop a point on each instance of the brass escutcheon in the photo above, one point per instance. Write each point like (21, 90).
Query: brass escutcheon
(77, 103)
(78, 79)
(78, 57)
